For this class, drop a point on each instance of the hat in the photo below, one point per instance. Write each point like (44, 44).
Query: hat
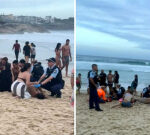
(51, 60)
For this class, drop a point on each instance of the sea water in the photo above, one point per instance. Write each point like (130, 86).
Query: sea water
(45, 44)
(126, 68)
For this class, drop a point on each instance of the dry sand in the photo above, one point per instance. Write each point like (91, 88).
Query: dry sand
(117, 121)
(51, 116)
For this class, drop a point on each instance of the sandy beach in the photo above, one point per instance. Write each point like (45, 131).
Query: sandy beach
(117, 121)
(51, 116)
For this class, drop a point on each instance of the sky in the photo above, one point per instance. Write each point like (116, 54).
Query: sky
(42, 8)
(113, 28)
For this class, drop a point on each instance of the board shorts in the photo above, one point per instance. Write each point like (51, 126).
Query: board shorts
(19, 89)
(33, 56)
(66, 60)
(126, 104)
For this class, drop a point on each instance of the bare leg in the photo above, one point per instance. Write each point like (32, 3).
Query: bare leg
(67, 70)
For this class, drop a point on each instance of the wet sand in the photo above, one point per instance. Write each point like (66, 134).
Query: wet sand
(116, 121)
(51, 116)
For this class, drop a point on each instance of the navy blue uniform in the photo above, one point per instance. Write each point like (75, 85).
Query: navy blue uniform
(56, 84)
(93, 99)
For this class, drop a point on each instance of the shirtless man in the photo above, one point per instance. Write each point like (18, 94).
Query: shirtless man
(66, 53)
(110, 80)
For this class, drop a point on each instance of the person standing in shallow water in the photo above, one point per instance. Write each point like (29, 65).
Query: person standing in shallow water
(17, 49)
(27, 51)
(66, 53)
(116, 78)
(58, 55)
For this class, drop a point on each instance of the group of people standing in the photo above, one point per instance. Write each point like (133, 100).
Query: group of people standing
(26, 79)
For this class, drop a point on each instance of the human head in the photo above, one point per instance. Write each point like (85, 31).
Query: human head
(51, 62)
(58, 46)
(22, 63)
(40, 96)
(26, 67)
(4, 61)
(129, 87)
(94, 67)
(67, 42)
(79, 74)
(16, 41)
(149, 87)
(136, 76)
(15, 63)
(116, 72)
(27, 43)
(102, 71)
(110, 71)
(118, 85)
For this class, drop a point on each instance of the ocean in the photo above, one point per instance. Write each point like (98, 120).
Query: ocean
(126, 68)
(45, 44)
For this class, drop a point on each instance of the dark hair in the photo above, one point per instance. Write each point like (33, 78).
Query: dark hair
(26, 67)
(15, 62)
(22, 61)
(27, 43)
(110, 71)
(16, 41)
(58, 46)
(5, 59)
(40, 96)
(79, 74)
(67, 40)
(129, 87)
(94, 65)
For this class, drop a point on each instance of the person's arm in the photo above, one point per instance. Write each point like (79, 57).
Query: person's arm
(92, 81)
(28, 80)
(62, 51)
(70, 54)
(41, 78)
(13, 47)
(19, 48)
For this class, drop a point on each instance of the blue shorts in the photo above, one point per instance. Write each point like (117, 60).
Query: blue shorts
(126, 104)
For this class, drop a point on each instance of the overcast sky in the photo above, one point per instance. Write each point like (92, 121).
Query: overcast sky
(114, 28)
(57, 8)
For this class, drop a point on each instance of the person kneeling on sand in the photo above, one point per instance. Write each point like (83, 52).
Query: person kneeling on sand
(22, 87)
(102, 94)
(146, 92)
(127, 100)
(51, 80)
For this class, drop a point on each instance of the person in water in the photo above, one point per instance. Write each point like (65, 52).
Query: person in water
(5, 75)
(116, 78)
(33, 52)
(15, 70)
(58, 55)
(51, 80)
(20, 86)
(17, 49)
(66, 53)
(27, 51)
(134, 84)
(93, 85)
(78, 82)
(110, 78)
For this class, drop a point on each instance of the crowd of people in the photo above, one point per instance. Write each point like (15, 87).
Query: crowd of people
(98, 93)
(25, 78)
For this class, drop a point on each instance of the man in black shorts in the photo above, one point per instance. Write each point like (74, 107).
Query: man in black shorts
(27, 51)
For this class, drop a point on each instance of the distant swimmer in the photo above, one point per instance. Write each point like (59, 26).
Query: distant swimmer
(27, 51)
(66, 53)
(58, 55)
(17, 49)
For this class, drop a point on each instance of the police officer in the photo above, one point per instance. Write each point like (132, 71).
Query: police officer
(93, 96)
(51, 80)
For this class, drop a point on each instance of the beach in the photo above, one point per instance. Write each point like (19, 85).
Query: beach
(52, 116)
(116, 121)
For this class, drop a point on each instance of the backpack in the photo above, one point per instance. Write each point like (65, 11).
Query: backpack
(37, 71)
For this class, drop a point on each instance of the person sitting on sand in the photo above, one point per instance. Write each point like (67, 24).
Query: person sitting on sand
(27, 51)
(127, 100)
(102, 94)
(5, 75)
(146, 92)
(15, 70)
(51, 80)
(20, 86)
(58, 55)
(78, 82)
(120, 91)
